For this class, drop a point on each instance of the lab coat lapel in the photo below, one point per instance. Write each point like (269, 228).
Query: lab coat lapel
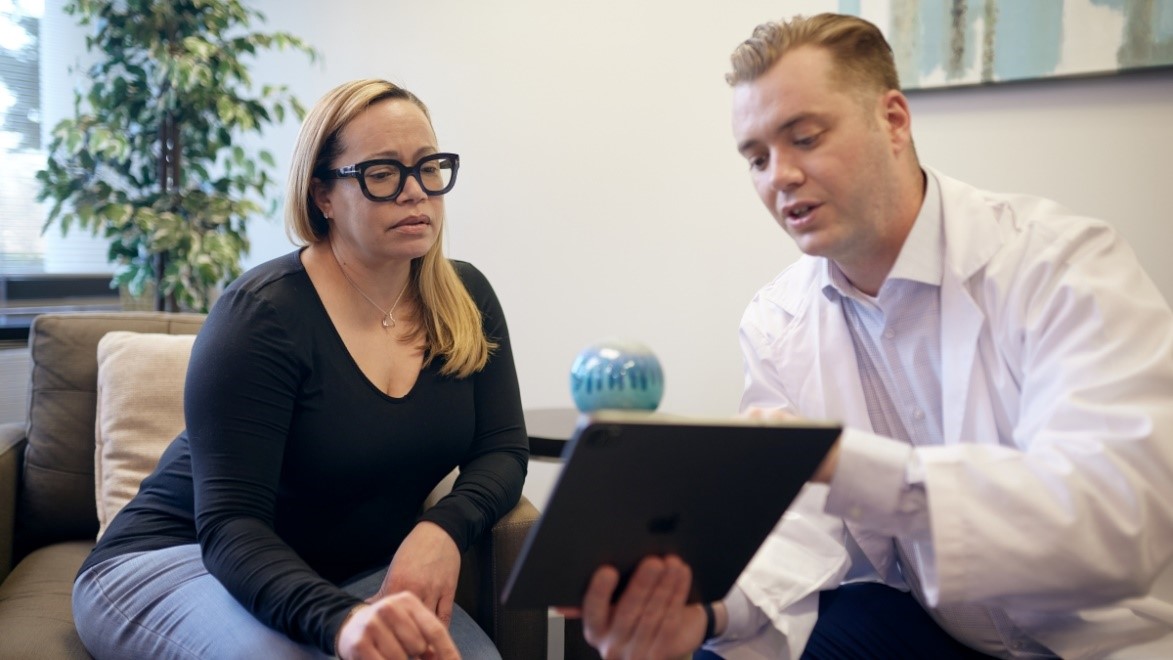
(971, 239)
(961, 324)
(838, 393)
(833, 391)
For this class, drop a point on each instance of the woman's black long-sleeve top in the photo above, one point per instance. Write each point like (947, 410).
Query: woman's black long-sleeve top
(295, 472)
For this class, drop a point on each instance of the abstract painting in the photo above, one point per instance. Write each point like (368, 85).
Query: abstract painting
(946, 43)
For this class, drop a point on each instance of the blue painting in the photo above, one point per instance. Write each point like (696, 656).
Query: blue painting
(946, 43)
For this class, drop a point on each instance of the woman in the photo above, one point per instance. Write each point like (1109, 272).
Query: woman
(329, 391)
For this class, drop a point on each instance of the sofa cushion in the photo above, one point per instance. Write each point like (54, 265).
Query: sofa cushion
(139, 411)
(56, 500)
(36, 616)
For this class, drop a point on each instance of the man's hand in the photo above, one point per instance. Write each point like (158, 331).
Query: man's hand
(826, 470)
(395, 628)
(426, 564)
(651, 620)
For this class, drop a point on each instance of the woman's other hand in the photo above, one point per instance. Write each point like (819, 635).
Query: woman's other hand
(396, 627)
(426, 564)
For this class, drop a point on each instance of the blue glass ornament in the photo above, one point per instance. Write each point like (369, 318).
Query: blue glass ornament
(616, 374)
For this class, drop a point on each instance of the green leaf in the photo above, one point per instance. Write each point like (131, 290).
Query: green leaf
(224, 108)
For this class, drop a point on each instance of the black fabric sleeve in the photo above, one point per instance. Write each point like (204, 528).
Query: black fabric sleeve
(493, 471)
(240, 393)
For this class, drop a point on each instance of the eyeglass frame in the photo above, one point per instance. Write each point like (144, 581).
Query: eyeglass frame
(358, 171)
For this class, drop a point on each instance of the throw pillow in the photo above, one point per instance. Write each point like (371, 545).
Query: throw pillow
(139, 411)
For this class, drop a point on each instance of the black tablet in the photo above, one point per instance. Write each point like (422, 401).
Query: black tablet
(637, 484)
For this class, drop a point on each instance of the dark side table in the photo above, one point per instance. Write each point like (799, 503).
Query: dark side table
(549, 429)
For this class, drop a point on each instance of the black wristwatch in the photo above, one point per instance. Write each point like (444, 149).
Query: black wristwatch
(710, 621)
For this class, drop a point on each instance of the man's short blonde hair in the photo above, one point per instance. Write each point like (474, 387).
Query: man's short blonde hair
(863, 59)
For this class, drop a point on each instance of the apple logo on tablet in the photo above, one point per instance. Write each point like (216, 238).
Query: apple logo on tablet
(664, 524)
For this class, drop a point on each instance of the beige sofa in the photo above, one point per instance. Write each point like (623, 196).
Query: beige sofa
(48, 516)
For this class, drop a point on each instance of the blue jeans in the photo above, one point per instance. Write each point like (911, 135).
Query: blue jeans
(165, 604)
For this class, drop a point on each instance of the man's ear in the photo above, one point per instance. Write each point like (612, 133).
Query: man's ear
(897, 119)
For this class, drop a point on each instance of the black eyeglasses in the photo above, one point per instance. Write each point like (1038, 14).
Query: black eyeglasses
(382, 179)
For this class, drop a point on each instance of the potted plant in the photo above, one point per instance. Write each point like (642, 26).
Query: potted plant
(152, 158)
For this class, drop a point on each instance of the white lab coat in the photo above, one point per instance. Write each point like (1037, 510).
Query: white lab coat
(1051, 494)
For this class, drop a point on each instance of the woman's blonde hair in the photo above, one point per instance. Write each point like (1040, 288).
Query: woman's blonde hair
(451, 321)
(863, 59)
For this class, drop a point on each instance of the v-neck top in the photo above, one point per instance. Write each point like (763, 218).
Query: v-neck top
(296, 473)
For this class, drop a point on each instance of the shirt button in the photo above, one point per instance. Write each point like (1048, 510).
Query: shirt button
(889, 333)
(918, 414)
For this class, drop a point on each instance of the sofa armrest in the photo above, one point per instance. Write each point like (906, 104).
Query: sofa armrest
(12, 443)
(518, 633)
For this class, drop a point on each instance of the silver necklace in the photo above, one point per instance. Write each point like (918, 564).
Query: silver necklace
(388, 314)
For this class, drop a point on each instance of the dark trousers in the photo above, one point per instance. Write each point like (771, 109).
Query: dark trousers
(874, 621)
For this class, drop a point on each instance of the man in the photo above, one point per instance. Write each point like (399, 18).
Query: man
(1004, 373)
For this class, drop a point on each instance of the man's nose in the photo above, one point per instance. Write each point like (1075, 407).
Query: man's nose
(785, 174)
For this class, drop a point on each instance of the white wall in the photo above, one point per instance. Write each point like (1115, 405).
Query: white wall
(600, 190)
(1102, 147)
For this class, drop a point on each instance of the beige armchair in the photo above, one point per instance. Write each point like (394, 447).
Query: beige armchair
(48, 517)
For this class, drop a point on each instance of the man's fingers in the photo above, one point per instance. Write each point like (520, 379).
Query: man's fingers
(596, 604)
(754, 412)
(682, 577)
(633, 604)
(670, 628)
(663, 602)
(646, 620)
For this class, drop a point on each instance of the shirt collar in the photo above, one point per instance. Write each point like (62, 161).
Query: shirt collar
(921, 258)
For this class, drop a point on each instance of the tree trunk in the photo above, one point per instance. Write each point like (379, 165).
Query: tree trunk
(170, 153)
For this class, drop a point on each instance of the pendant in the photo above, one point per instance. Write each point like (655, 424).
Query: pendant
(388, 321)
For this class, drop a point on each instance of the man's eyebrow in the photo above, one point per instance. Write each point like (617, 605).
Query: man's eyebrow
(785, 126)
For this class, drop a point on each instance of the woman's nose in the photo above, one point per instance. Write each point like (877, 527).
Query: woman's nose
(412, 190)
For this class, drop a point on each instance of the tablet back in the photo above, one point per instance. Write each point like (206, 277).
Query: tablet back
(636, 485)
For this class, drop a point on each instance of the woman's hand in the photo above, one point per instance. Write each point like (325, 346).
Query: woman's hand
(395, 628)
(426, 564)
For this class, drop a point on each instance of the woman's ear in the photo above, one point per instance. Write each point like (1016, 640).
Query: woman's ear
(320, 196)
